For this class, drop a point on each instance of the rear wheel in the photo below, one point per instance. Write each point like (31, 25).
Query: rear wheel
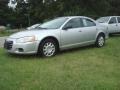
(48, 48)
(100, 42)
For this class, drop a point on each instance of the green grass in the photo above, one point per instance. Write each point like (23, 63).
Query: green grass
(5, 33)
(87, 68)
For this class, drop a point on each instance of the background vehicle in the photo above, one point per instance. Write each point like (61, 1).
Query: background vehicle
(33, 26)
(2, 28)
(111, 22)
(58, 34)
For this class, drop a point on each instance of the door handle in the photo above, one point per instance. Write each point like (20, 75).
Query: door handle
(80, 31)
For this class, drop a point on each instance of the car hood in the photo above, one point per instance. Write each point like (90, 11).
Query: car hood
(103, 23)
(28, 33)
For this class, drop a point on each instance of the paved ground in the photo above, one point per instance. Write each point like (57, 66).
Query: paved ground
(2, 39)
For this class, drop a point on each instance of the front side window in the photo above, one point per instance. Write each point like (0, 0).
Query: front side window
(113, 20)
(54, 24)
(74, 23)
(88, 23)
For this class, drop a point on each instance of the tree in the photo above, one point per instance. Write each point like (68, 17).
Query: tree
(3, 10)
(37, 11)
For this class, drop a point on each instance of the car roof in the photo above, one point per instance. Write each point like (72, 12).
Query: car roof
(75, 17)
(111, 16)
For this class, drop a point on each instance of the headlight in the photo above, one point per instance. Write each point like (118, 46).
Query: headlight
(26, 39)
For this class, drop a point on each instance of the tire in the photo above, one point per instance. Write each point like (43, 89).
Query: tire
(100, 42)
(48, 48)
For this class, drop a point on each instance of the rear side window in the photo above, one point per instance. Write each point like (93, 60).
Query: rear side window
(88, 23)
(113, 20)
(118, 18)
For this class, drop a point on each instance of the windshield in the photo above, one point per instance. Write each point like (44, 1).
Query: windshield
(103, 19)
(53, 24)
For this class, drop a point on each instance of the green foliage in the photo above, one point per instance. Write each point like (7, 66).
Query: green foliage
(8, 32)
(36, 11)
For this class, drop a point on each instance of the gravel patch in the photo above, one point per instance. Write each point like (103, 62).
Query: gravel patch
(2, 40)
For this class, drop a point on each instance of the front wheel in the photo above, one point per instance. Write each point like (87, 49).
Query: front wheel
(48, 48)
(100, 42)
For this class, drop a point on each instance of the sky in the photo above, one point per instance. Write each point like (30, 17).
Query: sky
(13, 3)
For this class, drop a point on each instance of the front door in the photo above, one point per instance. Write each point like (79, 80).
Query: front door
(113, 25)
(71, 34)
(118, 18)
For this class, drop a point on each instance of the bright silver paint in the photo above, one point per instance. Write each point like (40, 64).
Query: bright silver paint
(67, 38)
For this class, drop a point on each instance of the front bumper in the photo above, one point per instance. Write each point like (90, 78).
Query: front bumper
(21, 48)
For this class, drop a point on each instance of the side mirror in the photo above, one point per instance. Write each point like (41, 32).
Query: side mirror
(67, 27)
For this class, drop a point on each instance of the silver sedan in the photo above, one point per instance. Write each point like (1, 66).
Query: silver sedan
(55, 35)
(112, 23)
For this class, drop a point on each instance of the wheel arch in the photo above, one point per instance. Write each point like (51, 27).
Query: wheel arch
(50, 37)
(97, 38)
(101, 33)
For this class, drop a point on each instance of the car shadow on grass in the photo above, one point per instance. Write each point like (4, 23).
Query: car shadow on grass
(114, 35)
(84, 48)
(26, 57)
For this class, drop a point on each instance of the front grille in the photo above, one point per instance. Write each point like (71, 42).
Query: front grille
(8, 45)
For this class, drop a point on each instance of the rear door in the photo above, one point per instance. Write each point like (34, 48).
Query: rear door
(89, 31)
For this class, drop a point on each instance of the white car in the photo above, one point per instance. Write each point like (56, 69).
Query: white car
(33, 26)
(2, 28)
(111, 22)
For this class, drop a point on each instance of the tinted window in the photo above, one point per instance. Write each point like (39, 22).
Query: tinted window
(74, 23)
(118, 18)
(112, 20)
(88, 23)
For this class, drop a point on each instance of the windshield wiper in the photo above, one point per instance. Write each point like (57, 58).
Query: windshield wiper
(40, 28)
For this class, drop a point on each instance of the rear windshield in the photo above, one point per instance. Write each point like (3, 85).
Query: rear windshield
(103, 19)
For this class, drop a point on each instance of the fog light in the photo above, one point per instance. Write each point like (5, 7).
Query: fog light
(20, 50)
